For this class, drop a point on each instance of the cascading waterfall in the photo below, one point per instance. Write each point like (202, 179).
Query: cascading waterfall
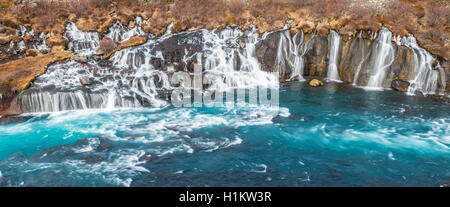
(119, 33)
(384, 57)
(133, 81)
(427, 79)
(80, 42)
(290, 54)
(335, 39)
(138, 76)
(222, 52)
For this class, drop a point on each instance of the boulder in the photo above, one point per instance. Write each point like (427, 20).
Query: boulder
(79, 58)
(315, 83)
(400, 85)
(84, 80)
(107, 45)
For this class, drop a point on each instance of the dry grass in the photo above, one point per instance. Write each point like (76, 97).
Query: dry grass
(427, 19)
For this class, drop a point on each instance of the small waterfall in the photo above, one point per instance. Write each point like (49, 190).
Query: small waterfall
(231, 65)
(41, 46)
(427, 79)
(290, 54)
(119, 32)
(81, 42)
(333, 48)
(384, 57)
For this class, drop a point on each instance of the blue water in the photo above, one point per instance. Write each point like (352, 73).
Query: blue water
(336, 135)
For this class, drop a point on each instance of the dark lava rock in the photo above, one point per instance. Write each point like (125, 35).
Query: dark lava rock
(400, 85)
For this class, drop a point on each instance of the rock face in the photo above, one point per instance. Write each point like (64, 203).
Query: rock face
(400, 85)
(359, 59)
(17, 75)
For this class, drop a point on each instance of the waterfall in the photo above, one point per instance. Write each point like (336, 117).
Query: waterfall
(223, 53)
(384, 57)
(120, 33)
(133, 80)
(81, 42)
(335, 39)
(139, 76)
(427, 79)
(290, 54)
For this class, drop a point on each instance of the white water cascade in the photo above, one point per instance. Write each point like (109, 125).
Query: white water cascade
(80, 42)
(130, 79)
(119, 32)
(139, 76)
(384, 57)
(333, 48)
(427, 79)
(290, 53)
(222, 52)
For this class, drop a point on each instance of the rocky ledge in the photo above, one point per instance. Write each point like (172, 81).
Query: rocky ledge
(17, 75)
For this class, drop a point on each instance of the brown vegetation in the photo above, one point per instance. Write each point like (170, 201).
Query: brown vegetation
(426, 19)
(128, 43)
(18, 74)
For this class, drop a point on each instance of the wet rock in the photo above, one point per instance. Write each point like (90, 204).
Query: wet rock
(80, 58)
(32, 52)
(2, 30)
(316, 57)
(266, 51)
(173, 48)
(85, 80)
(241, 44)
(400, 85)
(315, 83)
